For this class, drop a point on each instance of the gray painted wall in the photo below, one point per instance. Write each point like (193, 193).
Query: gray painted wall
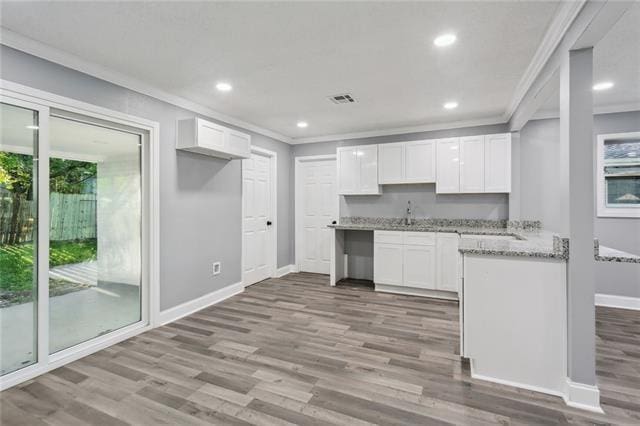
(200, 197)
(541, 199)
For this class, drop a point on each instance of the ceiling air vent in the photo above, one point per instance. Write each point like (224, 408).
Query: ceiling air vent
(343, 98)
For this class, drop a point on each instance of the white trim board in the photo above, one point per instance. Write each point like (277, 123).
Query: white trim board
(402, 130)
(50, 53)
(621, 302)
(562, 21)
(287, 269)
(187, 308)
(584, 397)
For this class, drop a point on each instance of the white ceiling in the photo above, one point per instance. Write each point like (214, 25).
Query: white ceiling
(285, 58)
(616, 58)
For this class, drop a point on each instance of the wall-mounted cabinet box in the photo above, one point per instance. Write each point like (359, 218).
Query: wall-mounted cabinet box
(407, 162)
(474, 164)
(207, 138)
(358, 170)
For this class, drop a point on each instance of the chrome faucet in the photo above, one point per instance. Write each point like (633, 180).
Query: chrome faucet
(407, 219)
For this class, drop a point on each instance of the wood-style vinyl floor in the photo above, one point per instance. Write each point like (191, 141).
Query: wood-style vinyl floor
(296, 351)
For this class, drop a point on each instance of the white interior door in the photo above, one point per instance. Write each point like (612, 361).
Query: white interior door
(318, 204)
(256, 220)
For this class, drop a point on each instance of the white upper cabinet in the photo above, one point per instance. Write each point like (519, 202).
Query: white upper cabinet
(472, 164)
(391, 163)
(407, 162)
(368, 156)
(204, 137)
(448, 166)
(420, 161)
(358, 170)
(497, 163)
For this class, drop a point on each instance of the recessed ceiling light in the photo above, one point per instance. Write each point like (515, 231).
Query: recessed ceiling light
(450, 105)
(302, 124)
(603, 85)
(445, 40)
(32, 127)
(224, 87)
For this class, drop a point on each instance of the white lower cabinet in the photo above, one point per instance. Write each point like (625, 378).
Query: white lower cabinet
(419, 267)
(448, 261)
(387, 264)
(418, 260)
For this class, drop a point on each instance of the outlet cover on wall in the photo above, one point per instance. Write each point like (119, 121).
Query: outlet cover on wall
(217, 267)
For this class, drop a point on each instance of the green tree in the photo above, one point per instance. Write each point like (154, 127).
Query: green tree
(17, 176)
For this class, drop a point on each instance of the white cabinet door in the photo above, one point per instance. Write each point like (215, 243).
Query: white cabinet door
(391, 163)
(238, 143)
(368, 157)
(472, 164)
(420, 161)
(497, 163)
(210, 135)
(387, 264)
(448, 166)
(348, 166)
(447, 261)
(419, 266)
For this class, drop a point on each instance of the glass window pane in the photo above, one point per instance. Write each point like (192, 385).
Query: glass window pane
(18, 237)
(95, 231)
(623, 191)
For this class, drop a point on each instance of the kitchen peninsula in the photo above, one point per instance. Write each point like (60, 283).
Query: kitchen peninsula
(509, 278)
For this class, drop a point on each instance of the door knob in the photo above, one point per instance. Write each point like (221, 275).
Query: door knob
(268, 223)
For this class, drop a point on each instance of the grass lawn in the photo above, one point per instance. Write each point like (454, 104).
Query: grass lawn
(16, 261)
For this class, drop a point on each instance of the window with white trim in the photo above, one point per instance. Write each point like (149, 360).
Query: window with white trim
(618, 160)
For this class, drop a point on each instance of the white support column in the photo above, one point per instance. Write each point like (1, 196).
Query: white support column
(577, 184)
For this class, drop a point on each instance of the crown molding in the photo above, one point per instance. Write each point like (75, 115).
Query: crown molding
(401, 130)
(52, 54)
(559, 26)
(597, 110)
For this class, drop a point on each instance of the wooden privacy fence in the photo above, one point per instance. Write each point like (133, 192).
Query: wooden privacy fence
(71, 216)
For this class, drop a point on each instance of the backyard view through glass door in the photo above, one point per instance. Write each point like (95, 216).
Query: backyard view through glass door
(94, 232)
(18, 237)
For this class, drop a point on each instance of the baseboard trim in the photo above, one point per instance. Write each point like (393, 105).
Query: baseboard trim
(187, 308)
(287, 269)
(584, 397)
(622, 302)
(410, 291)
(533, 388)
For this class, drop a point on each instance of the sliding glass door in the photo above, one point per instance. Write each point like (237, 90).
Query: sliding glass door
(94, 231)
(72, 235)
(18, 237)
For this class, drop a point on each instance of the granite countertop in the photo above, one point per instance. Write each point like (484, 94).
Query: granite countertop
(529, 239)
(539, 243)
(608, 254)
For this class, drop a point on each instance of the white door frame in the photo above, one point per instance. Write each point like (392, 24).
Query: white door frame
(273, 229)
(17, 93)
(298, 199)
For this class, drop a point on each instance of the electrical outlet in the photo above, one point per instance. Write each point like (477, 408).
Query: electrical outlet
(217, 267)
